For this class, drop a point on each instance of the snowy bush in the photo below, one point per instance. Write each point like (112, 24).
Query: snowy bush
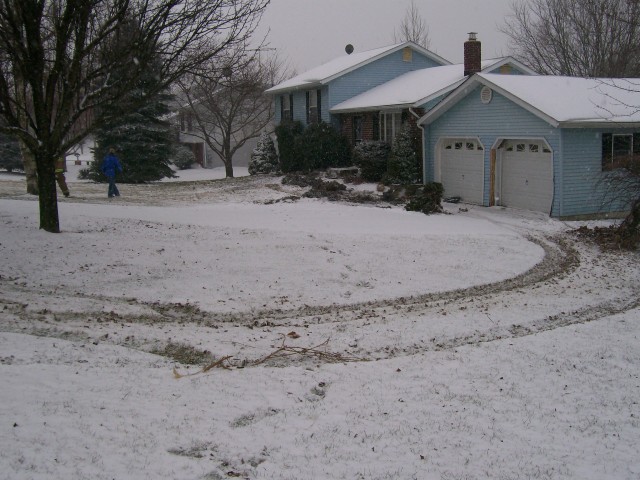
(426, 199)
(371, 157)
(402, 167)
(324, 147)
(288, 134)
(264, 158)
(183, 157)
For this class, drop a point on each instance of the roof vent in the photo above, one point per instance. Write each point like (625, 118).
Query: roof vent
(349, 49)
(486, 94)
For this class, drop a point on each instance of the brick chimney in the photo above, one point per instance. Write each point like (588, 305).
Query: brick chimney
(472, 55)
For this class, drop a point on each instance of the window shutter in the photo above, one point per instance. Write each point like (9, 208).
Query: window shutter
(318, 106)
(282, 108)
(291, 106)
(308, 113)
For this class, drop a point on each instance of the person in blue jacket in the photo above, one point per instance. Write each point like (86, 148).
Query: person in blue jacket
(111, 165)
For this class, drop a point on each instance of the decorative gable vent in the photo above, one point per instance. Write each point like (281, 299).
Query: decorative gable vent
(485, 95)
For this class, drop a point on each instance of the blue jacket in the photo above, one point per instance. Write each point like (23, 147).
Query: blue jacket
(110, 164)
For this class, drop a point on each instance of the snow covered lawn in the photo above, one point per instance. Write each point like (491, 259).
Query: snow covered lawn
(482, 344)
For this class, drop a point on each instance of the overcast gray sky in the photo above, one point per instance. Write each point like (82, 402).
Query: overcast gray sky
(311, 32)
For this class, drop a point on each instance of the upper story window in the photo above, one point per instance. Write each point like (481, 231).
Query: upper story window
(286, 107)
(186, 122)
(620, 150)
(313, 106)
(407, 54)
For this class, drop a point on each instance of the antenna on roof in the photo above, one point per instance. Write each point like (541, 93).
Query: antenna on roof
(349, 49)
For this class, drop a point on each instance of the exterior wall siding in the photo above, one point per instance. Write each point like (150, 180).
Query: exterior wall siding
(372, 75)
(585, 190)
(580, 185)
(501, 118)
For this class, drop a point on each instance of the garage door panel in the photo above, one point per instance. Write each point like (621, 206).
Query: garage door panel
(527, 177)
(462, 170)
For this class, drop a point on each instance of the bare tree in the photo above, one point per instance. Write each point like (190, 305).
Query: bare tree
(586, 38)
(413, 28)
(228, 104)
(71, 58)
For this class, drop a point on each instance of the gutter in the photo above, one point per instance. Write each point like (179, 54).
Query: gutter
(424, 154)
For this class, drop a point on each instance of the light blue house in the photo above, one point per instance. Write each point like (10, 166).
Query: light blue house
(311, 96)
(541, 143)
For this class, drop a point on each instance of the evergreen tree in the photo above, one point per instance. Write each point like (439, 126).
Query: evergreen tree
(264, 158)
(402, 166)
(143, 139)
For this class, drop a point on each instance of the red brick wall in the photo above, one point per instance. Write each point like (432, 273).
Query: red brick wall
(472, 57)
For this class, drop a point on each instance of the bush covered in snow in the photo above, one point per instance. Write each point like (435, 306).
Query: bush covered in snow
(372, 157)
(426, 199)
(288, 134)
(319, 146)
(183, 157)
(403, 162)
(264, 158)
(323, 147)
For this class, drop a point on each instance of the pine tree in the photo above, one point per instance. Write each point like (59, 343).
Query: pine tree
(402, 166)
(264, 158)
(144, 141)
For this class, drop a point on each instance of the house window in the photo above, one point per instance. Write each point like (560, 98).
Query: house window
(286, 105)
(313, 106)
(506, 69)
(376, 127)
(357, 129)
(619, 150)
(407, 54)
(186, 122)
(390, 125)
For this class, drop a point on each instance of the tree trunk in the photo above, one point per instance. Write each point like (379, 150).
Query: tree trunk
(228, 169)
(30, 169)
(629, 229)
(49, 220)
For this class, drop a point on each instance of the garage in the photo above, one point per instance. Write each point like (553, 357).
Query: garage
(462, 169)
(525, 177)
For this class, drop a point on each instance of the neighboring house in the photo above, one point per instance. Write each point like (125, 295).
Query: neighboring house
(185, 124)
(543, 143)
(311, 96)
(82, 153)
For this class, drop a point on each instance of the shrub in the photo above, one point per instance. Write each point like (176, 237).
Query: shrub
(426, 199)
(403, 163)
(324, 147)
(372, 157)
(183, 157)
(288, 134)
(264, 158)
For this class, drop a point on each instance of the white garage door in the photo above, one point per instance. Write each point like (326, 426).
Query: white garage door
(462, 169)
(527, 175)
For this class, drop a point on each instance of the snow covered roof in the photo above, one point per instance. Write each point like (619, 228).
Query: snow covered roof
(345, 64)
(417, 88)
(561, 101)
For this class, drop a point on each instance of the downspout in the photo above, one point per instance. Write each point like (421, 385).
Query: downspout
(424, 155)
